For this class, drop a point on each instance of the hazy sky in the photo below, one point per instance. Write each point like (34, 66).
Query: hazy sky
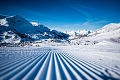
(65, 14)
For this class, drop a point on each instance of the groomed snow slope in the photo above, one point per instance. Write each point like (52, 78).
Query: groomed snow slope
(60, 63)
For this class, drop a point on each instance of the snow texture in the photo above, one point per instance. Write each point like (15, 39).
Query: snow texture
(60, 63)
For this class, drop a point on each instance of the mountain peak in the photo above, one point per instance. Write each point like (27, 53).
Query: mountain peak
(35, 23)
(25, 30)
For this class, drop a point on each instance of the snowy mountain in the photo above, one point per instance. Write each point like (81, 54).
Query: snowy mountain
(109, 31)
(78, 34)
(108, 34)
(17, 29)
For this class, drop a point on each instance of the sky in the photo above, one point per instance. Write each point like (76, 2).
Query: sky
(65, 15)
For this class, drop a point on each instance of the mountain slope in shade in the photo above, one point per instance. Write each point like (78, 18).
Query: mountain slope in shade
(18, 23)
(2, 16)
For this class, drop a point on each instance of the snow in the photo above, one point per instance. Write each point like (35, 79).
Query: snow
(72, 33)
(35, 23)
(60, 62)
(83, 32)
(9, 37)
(4, 22)
(79, 32)
(106, 43)
(111, 30)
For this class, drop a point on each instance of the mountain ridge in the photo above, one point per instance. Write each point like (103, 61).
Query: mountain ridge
(26, 30)
(16, 29)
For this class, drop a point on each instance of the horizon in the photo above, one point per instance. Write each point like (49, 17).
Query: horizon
(65, 15)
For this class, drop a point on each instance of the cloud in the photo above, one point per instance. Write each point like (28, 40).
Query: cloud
(61, 29)
(93, 25)
(86, 23)
(77, 24)
(67, 26)
(101, 21)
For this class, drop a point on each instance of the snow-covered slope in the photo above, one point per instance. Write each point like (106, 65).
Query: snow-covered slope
(79, 32)
(109, 31)
(9, 37)
(108, 34)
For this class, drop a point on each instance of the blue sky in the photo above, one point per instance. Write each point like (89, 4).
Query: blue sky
(65, 15)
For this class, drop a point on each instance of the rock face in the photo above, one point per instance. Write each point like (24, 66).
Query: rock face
(15, 29)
